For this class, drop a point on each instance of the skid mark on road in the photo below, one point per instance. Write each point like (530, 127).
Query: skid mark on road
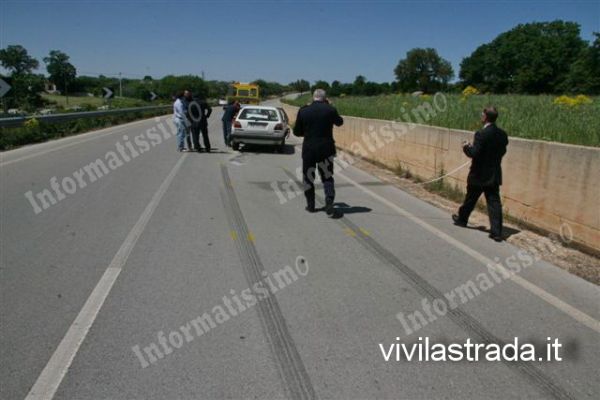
(465, 321)
(554, 301)
(290, 365)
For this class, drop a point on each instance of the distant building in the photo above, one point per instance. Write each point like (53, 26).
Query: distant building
(50, 88)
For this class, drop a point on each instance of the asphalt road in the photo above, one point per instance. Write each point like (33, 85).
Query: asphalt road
(157, 241)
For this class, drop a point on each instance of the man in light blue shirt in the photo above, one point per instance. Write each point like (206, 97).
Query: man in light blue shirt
(180, 120)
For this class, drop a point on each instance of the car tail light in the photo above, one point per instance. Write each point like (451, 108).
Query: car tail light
(279, 127)
(237, 124)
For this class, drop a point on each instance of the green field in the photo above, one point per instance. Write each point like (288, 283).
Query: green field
(92, 102)
(531, 117)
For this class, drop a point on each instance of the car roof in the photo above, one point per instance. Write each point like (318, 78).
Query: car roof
(260, 107)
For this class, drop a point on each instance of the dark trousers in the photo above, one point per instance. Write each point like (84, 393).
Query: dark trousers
(325, 167)
(196, 135)
(226, 132)
(196, 129)
(494, 206)
(205, 139)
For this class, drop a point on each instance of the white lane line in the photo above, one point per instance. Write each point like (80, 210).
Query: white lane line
(93, 135)
(571, 311)
(52, 375)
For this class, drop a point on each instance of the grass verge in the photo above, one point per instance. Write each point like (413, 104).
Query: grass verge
(530, 117)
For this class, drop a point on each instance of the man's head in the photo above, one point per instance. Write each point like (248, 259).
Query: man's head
(187, 94)
(319, 95)
(178, 94)
(489, 115)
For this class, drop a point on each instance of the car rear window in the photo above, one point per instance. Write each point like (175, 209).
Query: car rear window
(259, 114)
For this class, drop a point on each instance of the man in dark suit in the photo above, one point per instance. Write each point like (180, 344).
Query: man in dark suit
(485, 175)
(200, 112)
(315, 123)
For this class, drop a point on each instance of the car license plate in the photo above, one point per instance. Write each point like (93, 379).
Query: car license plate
(258, 125)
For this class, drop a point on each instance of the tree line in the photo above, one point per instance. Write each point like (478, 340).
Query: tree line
(534, 58)
(26, 85)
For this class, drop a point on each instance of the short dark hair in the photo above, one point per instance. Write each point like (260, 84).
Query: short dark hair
(491, 114)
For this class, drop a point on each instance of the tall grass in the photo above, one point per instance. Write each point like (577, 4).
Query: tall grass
(531, 117)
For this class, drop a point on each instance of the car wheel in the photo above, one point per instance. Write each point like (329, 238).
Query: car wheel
(235, 146)
(281, 146)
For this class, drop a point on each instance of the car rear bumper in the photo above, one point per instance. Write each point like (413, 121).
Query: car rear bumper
(257, 138)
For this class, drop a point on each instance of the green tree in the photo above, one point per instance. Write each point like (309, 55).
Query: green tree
(25, 92)
(171, 84)
(584, 74)
(423, 69)
(62, 72)
(301, 85)
(270, 88)
(530, 58)
(16, 59)
(217, 89)
(320, 85)
(335, 89)
(358, 87)
(25, 86)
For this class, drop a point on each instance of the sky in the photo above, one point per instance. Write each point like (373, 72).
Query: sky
(274, 40)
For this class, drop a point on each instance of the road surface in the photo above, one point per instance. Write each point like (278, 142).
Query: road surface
(132, 265)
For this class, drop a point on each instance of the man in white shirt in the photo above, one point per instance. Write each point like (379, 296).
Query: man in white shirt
(180, 120)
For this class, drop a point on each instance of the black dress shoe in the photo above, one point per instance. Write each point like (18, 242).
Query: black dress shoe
(310, 209)
(458, 221)
(496, 238)
(329, 210)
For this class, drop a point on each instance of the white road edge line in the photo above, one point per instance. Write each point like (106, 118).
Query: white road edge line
(53, 373)
(93, 135)
(571, 311)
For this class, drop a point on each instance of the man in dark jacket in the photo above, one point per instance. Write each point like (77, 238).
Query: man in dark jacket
(315, 123)
(229, 112)
(205, 112)
(199, 113)
(485, 175)
(187, 100)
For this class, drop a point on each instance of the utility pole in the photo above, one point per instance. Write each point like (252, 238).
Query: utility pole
(66, 93)
(120, 86)
(65, 78)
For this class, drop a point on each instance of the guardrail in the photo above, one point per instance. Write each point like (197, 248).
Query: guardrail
(55, 118)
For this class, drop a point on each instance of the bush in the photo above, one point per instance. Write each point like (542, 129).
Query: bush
(34, 131)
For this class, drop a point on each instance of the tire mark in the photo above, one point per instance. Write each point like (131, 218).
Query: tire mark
(290, 365)
(457, 315)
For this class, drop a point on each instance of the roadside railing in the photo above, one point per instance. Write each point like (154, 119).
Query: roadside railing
(55, 118)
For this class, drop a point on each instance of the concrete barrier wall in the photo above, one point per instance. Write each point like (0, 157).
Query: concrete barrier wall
(548, 185)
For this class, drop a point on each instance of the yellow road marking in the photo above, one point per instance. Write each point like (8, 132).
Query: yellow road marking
(233, 235)
(365, 232)
(350, 232)
(250, 237)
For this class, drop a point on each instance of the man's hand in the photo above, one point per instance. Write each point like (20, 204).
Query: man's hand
(465, 143)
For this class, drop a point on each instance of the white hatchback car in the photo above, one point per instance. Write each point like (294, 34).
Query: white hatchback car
(265, 125)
